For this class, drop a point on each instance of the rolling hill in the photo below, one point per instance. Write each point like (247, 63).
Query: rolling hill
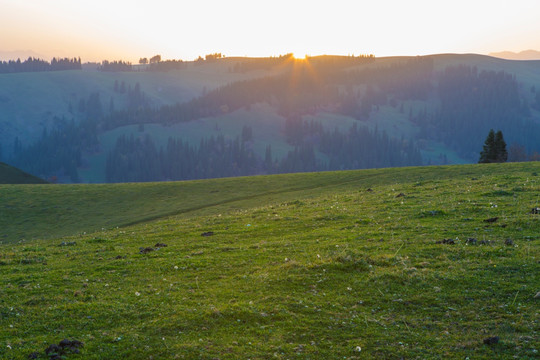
(423, 262)
(11, 175)
(411, 110)
(31, 102)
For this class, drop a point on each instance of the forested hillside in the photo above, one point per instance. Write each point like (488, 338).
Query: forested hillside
(287, 115)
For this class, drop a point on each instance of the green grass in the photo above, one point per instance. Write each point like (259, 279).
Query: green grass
(302, 266)
(12, 175)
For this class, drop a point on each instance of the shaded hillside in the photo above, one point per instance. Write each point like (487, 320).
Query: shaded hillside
(11, 175)
(33, 102)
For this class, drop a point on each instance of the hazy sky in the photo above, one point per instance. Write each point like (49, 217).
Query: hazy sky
(118, 29)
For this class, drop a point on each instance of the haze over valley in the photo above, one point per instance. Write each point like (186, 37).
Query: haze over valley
(220, 116)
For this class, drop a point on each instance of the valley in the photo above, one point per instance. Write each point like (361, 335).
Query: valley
(79, 118)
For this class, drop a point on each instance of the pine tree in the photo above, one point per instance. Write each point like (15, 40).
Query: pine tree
(501, 155)
(487, 155)
(494, 149)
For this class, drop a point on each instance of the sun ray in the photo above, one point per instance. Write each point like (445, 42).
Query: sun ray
(299, 58)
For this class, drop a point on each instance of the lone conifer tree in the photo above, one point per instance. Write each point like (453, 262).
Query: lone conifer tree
(500, 148)
(494, 149)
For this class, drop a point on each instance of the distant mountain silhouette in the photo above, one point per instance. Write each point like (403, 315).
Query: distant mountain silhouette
(523, 55)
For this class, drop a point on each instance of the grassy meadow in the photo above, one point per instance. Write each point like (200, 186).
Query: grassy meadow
(422, 263)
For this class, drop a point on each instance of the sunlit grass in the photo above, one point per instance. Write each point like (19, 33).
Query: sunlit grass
(330, 265)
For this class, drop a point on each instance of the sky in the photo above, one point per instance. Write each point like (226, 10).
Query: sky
(128, 30)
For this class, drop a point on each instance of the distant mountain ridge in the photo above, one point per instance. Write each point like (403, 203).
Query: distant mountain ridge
(522, 55)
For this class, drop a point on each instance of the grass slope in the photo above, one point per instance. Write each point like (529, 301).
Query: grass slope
(12, 175)
(303, 266)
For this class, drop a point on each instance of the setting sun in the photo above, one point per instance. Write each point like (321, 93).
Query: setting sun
(299, 58)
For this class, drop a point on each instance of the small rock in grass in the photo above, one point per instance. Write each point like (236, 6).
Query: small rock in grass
(207, 233)
(400, 195)
(491, 340)
(146, 250)
(70, 344)
(509, 242)
(160, 245)
(471, 241)
(58, 351)
(53, 349)
(492, 220)
(369, 190)
(68, 243)
(446, 241)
